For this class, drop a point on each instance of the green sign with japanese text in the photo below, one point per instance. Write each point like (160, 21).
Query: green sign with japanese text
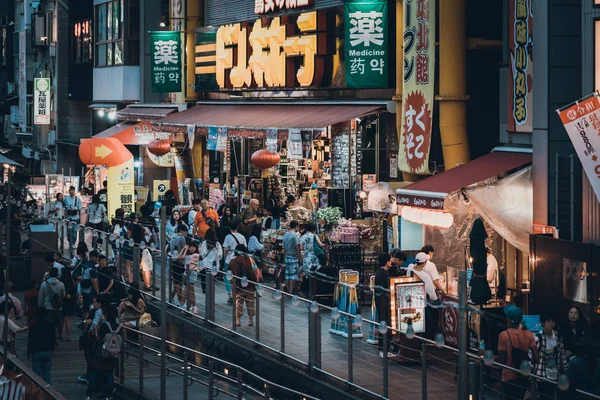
(165, 61)
(366, 44)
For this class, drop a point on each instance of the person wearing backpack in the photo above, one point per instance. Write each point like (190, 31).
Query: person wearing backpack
(514, 345)
(52, 293)
(232, 240)
(241, 266)
(105, 354)
(553, 359)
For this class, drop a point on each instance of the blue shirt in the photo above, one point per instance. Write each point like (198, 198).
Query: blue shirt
(72, 203)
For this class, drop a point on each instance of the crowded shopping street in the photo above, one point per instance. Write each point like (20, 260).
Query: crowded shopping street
(299, 199)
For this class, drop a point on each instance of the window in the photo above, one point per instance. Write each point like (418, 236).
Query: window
(82, 42)
(109, 33)
(117, 33)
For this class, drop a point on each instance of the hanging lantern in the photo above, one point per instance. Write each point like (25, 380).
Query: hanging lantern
(264, 159)
(160, 147)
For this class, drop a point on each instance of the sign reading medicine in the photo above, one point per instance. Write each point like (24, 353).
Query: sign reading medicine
(41, 101)
(165, 61)
(366, 42)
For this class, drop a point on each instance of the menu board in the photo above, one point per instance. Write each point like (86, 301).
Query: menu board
(408, 304)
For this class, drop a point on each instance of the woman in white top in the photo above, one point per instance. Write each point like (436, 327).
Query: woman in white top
(97, 213)
(57, 212)
(211, 253)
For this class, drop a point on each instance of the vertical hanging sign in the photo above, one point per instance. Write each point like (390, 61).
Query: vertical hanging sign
(165, 61)
(41, 101)
(418, 89)
(520, 95)
(211, 139)
(366, 44)
(221, 139)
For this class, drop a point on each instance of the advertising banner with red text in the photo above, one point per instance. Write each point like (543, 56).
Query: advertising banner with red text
(582, 122)
(418, 89)
(520, 82)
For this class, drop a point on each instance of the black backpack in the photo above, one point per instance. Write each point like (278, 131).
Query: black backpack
(517, 355)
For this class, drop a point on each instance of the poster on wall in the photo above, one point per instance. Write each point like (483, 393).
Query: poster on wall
(418, 89)
(272, 137)
(575, 280)
(160, 186)
(366, 44)
(41, 101)
(212, 138)
(294, 144)
(582, 123)
(520, 80)
(121, 188)
(307, 144)
(165, 61)
(221, 139)
(393, 166)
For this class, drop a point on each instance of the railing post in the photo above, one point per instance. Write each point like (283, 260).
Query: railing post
(209, 298)
(240, 385)
(385, 365)
(533, 389)
(136, 263)
(122, 358)
(106, 243)
(256, 318)
(481, 380)
(282, 322)
(141, 364)
(350, 358)
(473, 381)
(154, 270)
(462, 335)
(168, 270)
(81, 233)
(314, 339)
(234, 305)
(185, 375)
(211, 377)
(163, 305)
(423, 370)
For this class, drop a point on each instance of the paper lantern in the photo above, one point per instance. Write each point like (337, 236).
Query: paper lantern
(160, 147)
(264, 159)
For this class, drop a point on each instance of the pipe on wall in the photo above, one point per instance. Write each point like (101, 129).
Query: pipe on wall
(453, 83)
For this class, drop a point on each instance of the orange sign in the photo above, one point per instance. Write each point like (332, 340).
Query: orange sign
(541, 229)
(103, 151)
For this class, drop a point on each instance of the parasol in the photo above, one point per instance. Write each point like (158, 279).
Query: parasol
(480, 289)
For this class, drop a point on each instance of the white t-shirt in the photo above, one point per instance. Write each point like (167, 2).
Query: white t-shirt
(426, 278)
(59, 208)
(230, 244)
(59, 267)
(492, 272)
(190, 221)
(208, 257)
(551, 371)
(96, 212)
(431, 269)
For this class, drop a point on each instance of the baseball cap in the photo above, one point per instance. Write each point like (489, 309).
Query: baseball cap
(513, 313)
(421, 258)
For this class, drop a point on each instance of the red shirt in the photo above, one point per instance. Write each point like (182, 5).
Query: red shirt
(520, 339)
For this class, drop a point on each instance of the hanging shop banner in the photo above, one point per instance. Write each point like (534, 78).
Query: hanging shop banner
(271, 143)
(294, 144)
(582, 122)
(41, 101)
(393, 166)
(381, 198)
(418, 89)
(307, 144)
(160, 188)
(191, 131)
(366, 44)
(165, 61)
(221, 139)
(520, 94)
(121, 187)
(213, 137)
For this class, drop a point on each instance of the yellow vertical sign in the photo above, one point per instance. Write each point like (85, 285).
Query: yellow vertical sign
(160, 188)
(121, 187)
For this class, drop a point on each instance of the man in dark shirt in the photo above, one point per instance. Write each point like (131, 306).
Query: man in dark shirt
(105, 276)
(103, 194)
(398, 259)
(382, 297)
(40, 345)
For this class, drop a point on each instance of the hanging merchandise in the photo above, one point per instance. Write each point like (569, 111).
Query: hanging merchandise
(191, 131)
(211, 140)
(294, 144)
(221, 139)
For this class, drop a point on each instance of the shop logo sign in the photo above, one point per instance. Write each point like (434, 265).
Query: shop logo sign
(267, 6)
(575, 280)
(165, 61)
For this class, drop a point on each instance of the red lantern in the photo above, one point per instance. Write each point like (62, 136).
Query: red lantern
(160, 147)
(264, 159)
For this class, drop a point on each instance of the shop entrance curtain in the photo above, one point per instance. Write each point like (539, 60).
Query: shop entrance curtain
(507, 206)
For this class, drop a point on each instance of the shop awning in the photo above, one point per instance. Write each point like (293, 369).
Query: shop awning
(146, 112)
(431, 192)
(132, 133)
(252, 116)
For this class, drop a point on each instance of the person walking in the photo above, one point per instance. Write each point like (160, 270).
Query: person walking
(191, 276)
(178, 249)
(309, 241)
(211, 254)
(292, 250)
(241, 266)
(69, 304)
(15, 306)
(52, 292)
(205, 219)
(13, 329)
(40, 345)
(249, 218)
(255, 246)
(97, 214)
(382, 298)
(102, 369)
(56, 214)
(232, 240)
(553, 360)
(72, 205)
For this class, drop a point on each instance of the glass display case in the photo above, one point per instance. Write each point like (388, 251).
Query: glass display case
(408, 301)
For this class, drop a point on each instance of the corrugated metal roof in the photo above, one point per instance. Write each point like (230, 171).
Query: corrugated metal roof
(144, 113)
(262, 116)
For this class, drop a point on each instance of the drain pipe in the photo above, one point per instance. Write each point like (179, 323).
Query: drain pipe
(453, 83)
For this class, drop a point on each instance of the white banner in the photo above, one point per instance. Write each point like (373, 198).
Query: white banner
(191, 131)
(582, 122)
(294, 144)
(41, 101)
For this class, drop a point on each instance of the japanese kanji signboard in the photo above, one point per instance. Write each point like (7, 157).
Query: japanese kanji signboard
(41, 101)
(269, 6)
(418, 89)
(582, 122)
(366, 44)
(520, 95)
(165, 61)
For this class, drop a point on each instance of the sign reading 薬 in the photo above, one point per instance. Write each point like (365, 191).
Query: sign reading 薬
(366, 43)
(165, 61)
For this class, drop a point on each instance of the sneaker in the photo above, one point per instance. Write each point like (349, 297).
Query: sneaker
(230, 300)
(176, 302)
(389, 354)
(195, 310)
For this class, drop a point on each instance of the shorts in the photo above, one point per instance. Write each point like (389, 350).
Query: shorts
(177, 271)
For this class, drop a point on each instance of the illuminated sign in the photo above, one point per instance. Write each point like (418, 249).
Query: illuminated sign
(285, 51)
(266, 6)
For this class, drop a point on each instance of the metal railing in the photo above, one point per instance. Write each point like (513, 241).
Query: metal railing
(47, 392)
(347, 360)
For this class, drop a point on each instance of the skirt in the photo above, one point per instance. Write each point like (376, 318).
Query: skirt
(292, 269)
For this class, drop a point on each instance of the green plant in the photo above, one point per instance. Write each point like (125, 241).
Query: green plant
(330, 215)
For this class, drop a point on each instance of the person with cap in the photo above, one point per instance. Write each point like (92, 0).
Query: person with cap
(514, 344)
(431, 269)
(418, 269)
(382, 298)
